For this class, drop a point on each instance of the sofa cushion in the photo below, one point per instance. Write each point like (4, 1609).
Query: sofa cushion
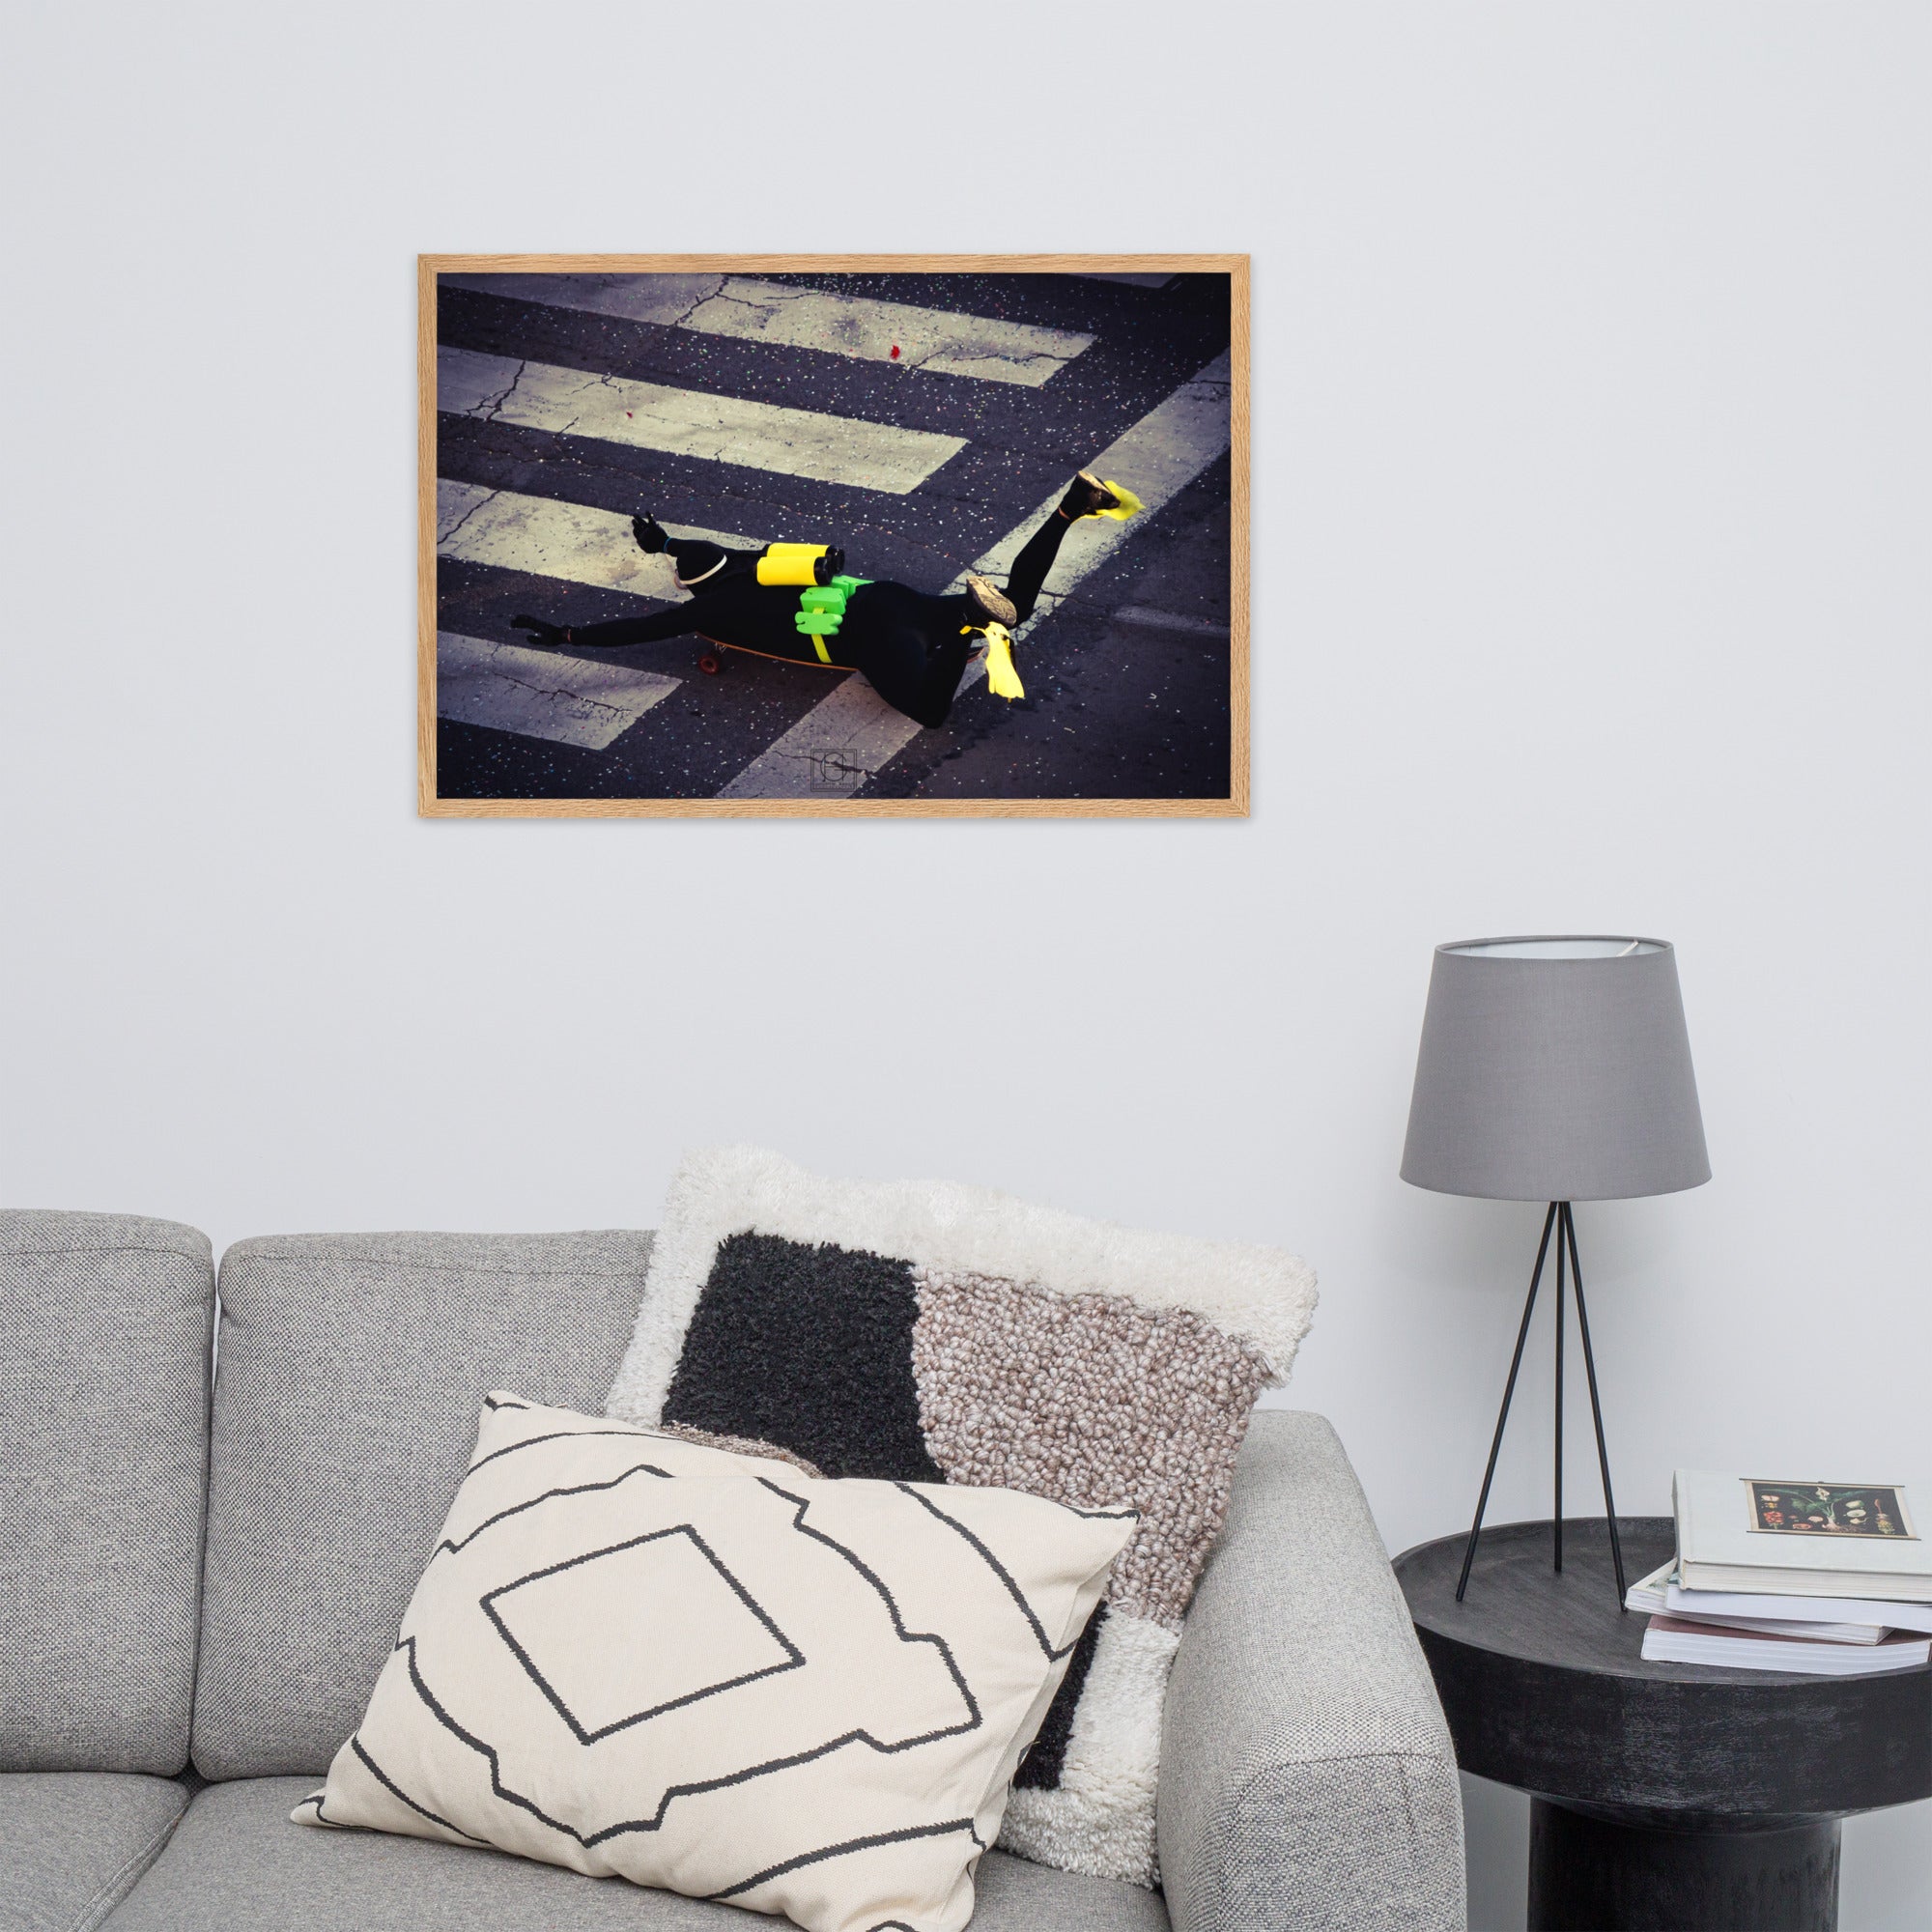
(237, 1865)
(929, 1332)
(636, 1654)
(72, 1843)
(103, 1410)
(351, 1368)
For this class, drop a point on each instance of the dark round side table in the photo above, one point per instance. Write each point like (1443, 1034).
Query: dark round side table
(1671, 1796)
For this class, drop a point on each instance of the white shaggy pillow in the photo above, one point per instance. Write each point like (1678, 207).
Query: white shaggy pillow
(929, 1333)
(639, 1655)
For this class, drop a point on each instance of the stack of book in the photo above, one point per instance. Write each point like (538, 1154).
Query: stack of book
(1827, 1578)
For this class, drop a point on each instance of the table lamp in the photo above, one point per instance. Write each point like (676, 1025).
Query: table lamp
(1555, 1069)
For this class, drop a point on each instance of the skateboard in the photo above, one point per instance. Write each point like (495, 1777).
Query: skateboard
(712, 653)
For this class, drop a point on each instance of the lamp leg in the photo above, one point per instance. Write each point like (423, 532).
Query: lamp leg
(1562, 1313)
(1596, 1406)
(1508, 1389)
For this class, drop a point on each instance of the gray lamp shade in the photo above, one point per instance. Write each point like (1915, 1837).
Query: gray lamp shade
(1555, 1070)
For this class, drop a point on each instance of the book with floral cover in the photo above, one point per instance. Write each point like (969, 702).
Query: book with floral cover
(1805, 1537)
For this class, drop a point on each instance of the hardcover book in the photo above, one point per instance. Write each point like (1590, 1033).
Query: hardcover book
(1806, 1537)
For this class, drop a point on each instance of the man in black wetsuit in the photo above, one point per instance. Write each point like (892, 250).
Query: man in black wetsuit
(913, 646)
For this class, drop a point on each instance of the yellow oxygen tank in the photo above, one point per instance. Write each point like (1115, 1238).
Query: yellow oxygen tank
(791, 564)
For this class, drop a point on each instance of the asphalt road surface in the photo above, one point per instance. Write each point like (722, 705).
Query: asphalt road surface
(755, 410)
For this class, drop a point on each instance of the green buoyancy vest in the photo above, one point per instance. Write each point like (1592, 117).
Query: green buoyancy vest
(821, 610)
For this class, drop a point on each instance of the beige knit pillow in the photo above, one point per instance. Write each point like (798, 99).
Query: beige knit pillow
(635, 1655)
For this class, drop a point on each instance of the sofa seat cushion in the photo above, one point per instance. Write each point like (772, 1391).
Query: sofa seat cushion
(104, 1411)
(345, 1406)
(72, 1843)
(237, 1865)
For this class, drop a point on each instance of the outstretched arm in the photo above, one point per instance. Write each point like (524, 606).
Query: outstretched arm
(678, 621)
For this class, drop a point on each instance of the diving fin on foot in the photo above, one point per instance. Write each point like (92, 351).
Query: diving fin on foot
(1001, 679)
(1126, 504)
(1089, 496)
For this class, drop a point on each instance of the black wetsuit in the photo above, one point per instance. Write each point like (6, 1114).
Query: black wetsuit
(911, 645)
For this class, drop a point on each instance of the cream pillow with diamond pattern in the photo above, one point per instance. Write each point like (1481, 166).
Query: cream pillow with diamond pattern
(642, 1656)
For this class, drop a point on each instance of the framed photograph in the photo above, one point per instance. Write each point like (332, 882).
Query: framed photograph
(832, 535)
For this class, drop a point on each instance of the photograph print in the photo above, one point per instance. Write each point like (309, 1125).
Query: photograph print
(1828, 1509)
(827, 535)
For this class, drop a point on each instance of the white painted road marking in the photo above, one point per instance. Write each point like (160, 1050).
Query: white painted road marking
(1157, 458)
(688, 422)
(856, 326)
(541, 694)
(548, 538)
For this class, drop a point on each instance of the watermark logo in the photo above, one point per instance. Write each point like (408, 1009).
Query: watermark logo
(835, 773)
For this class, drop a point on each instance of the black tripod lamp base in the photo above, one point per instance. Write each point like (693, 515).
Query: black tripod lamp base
(1560, 1223)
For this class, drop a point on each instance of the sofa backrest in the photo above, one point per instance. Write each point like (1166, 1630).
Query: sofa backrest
(351, 1370)
(104, 1332)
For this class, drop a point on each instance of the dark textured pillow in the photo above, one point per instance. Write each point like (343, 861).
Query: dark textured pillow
(927, 1332)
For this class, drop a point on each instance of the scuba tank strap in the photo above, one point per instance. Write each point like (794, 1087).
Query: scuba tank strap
(821, 610)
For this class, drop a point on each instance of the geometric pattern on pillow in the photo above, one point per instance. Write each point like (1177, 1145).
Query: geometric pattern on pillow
(929, 1332)
(637, 1654)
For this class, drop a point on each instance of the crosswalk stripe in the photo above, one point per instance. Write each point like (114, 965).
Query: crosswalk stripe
(856, 326)
(689, 422)
(1157, 458)
(541, 694)
(543, 537)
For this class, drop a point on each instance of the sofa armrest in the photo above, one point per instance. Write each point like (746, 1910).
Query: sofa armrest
(1307, 1780)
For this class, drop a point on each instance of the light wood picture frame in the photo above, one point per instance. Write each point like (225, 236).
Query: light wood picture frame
(922, 414)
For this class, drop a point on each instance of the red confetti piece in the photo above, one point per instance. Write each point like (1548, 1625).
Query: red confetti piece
(895, 352)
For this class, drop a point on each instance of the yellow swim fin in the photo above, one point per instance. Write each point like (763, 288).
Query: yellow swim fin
(1001, 679)
(1130, 505)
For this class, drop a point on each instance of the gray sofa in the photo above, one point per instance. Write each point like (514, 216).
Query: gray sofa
(200, 1574)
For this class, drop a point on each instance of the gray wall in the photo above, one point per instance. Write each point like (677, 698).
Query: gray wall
(1590, 531)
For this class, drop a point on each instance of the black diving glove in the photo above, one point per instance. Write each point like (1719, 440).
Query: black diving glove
(650, 535)
(549, 636)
